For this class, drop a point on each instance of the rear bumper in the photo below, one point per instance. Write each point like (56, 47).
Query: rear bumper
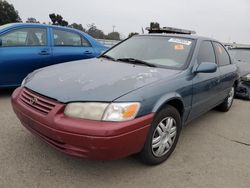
(84, 138)
(243, 90)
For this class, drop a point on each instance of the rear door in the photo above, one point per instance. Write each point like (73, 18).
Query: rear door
(22, 51)
(226, 68)
(70, 46)
(205, 85)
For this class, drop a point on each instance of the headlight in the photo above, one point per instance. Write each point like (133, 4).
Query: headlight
(246, 78)
(121, 111)
(103, 111)
(91, 110)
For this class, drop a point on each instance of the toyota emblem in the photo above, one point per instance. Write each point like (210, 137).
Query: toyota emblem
(33, 101)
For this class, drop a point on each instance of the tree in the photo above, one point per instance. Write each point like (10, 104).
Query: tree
(77, 26)
(8, 14)
(58, 20)
(32, 20)
(95, 32)
(132, 34)
(113, 36)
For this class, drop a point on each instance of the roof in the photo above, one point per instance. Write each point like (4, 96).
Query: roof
(37, 24)
(195, 37)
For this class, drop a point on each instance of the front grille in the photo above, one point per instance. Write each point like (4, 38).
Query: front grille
(37, 102)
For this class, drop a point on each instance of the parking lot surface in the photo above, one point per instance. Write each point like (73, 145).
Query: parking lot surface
(213, 151)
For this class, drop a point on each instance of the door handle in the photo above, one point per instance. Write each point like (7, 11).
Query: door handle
(44, 52)
(88, 52)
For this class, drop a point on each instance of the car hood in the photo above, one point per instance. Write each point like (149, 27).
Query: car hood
(244, 68)
(93, 80)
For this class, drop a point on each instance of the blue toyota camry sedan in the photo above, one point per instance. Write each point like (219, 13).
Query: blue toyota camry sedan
(135, 98)
(27, 47)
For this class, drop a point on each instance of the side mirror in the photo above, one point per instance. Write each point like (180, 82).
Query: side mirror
(206, 67)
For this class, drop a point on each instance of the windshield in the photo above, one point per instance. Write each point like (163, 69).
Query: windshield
(162, 51)
(241, 54)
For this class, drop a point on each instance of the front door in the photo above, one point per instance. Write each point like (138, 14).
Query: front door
(205, 85)
(22, 51)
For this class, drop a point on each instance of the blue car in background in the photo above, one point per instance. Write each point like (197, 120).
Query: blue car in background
(27, 47)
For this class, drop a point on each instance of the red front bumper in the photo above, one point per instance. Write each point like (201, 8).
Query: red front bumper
(83, 138)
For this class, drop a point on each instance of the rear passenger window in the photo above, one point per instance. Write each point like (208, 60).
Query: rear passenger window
(65, 38)
(206, 53)
(222, 55)
(24, 37)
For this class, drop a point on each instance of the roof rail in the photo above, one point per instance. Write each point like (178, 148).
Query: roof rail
(171, 30)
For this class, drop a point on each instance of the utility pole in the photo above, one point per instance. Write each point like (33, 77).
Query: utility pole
(114, 28)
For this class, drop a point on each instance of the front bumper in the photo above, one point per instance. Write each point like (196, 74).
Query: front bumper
(90, 139)
(243, 90)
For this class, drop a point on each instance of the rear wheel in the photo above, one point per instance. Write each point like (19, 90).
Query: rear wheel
(162, 137)
(227, 103)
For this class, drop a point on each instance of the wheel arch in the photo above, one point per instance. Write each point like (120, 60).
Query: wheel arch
(174, 100)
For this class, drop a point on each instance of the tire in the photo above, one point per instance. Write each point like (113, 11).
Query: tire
(227, 103)
(168, 123)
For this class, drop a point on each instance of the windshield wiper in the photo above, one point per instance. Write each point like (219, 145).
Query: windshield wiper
(108, 57)
(136, 61)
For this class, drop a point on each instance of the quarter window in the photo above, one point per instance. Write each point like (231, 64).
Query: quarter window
(24, 37)
(223, 57)
(206, 53)
(65, 38)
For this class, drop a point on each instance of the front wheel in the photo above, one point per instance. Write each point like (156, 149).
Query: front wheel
(162, 137)
(227, 103)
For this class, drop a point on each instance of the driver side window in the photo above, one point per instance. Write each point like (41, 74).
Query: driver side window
(206, 53)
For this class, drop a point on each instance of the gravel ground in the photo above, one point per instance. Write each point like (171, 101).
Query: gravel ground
(213, 151)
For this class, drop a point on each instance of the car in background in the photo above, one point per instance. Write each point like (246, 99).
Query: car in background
(241, 56)
(27, 47)
(135, 98)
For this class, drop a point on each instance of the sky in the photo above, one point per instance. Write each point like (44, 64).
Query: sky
(224, 20)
